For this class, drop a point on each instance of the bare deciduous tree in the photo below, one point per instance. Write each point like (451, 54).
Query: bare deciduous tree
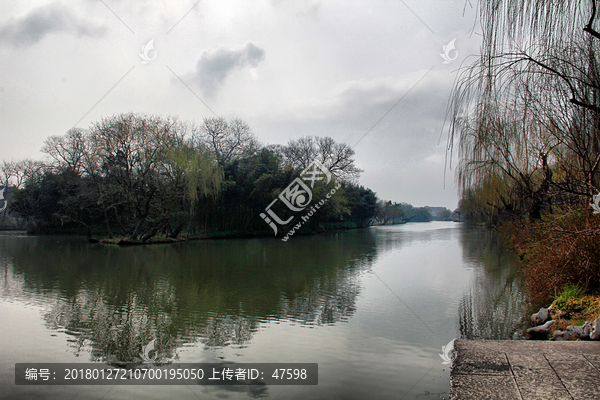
(228, 140)
(337, 157)
(68, 151)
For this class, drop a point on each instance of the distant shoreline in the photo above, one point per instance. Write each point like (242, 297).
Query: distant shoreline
(122, 241)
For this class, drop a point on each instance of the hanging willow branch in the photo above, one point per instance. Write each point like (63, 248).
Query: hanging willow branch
(530, 103)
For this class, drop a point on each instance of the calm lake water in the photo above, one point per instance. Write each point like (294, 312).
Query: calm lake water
(372, 307)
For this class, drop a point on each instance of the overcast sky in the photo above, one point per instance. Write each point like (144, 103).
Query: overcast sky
(289, 68)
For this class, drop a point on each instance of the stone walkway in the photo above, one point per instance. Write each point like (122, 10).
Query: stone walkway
(526, 370)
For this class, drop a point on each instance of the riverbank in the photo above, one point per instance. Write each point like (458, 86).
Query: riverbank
(571, 316)
(125, 241)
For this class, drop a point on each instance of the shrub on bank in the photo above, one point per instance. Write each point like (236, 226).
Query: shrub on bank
(572, 308)
(560, 250)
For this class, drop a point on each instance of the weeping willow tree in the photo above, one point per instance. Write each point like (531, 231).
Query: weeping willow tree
(200, 177)
(148, 175)
(524, 115)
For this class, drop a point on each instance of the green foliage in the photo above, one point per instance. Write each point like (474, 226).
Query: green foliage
(362, 203)
(445, 213)
(199, 171)
(419, 214)
(566, 298)
(575, 310)
(135, 178)
(580, 305)
(388, 212)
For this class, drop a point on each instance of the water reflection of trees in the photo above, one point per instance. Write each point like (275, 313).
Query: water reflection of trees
(115, 336)
(111, 301)
(311, 308)
(390, 237)
(494, 304)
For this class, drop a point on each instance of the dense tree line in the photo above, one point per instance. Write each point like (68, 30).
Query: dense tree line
(141, 176)
(389, 212)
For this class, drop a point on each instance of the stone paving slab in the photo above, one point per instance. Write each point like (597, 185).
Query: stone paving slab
(525, 370)
(469, 387)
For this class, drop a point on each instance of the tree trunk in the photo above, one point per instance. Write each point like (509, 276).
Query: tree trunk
(108, 230)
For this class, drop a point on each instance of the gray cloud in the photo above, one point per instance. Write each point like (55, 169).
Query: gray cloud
(216, 64)
(43, 21)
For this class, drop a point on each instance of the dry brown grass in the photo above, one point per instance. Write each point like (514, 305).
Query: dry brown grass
(562, 249)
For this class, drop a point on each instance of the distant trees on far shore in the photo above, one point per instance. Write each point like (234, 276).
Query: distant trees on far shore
(140, 176)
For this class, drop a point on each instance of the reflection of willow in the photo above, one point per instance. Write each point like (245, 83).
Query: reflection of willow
(494, 305)
(327, 302)
(115, 336)
(111, 301)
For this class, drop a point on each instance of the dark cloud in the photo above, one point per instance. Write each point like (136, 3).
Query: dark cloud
(216, 64)
(43, 21)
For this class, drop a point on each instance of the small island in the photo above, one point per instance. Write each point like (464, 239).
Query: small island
(144, 179)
